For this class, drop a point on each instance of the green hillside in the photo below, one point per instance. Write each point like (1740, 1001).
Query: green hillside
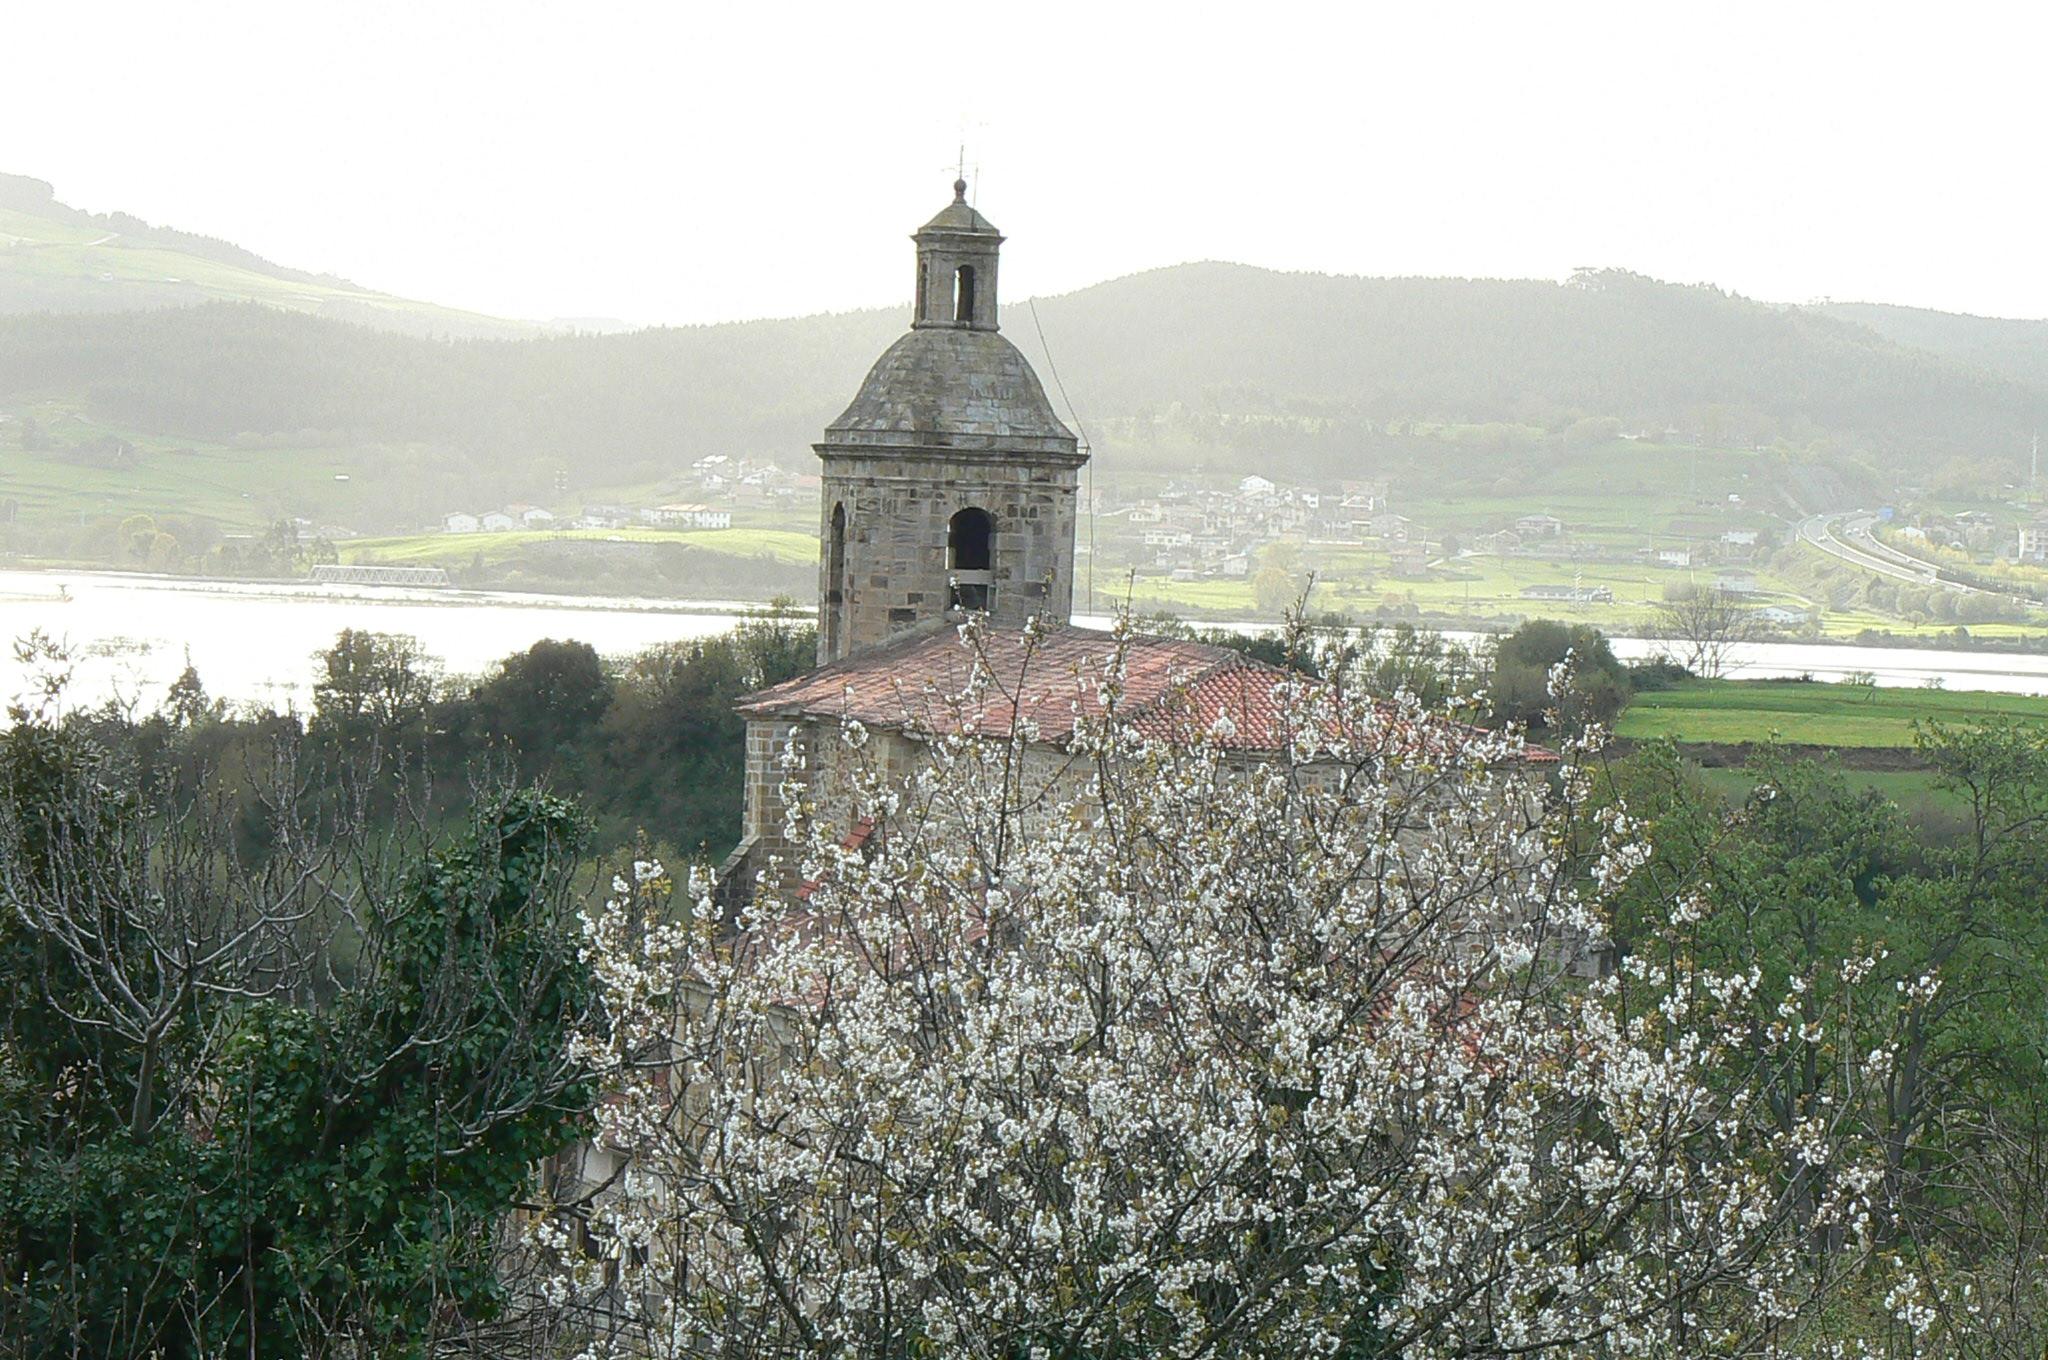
(55, 258)
(1642, 413)
(2014, 349)
(1202, 364)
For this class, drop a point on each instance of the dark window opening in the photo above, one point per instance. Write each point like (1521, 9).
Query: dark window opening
(969, 540)
(963, 293)
(835, 582)
(924, 271)
(970, 558)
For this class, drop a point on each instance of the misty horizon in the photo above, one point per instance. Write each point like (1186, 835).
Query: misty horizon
(624, 321)
(681, 168)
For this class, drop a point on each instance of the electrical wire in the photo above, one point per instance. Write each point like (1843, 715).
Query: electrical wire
(1052, 366)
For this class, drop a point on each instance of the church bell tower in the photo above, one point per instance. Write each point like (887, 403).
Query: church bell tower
(949, 483)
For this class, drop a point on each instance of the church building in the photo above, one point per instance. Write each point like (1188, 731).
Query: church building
(950, 490)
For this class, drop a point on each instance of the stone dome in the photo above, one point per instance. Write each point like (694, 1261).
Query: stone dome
(952, 389)
(959, 215)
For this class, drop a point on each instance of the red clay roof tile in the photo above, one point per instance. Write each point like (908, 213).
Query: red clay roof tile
(1169, 686)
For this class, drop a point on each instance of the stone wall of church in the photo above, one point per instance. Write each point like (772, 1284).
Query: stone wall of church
(763, 819)
(899, 509)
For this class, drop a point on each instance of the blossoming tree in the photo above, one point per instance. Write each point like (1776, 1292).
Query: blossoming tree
(1178, 1051)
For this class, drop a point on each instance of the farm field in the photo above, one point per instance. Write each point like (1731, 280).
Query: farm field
(1355, 580)
(237, 488)
(1808, 713)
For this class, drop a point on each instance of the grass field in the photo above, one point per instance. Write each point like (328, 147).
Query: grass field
(426, 550)
(1799, 712)
(1915, 791)
(239, 489)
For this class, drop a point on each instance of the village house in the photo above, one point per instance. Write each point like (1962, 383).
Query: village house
(460, 522)
(1736, 582)
(2033, 540)
(1501, 541)
(688, 515)
(1570, 594)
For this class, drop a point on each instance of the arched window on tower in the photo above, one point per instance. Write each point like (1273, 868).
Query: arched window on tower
(963, 294)
(970, 558)
(835, 584)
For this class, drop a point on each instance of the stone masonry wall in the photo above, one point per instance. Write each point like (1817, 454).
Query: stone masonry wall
(898, 512)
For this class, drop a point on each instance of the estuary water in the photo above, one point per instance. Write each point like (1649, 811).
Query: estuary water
(130, 635)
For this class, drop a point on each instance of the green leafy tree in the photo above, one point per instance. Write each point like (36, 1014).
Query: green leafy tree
(1811, 869)
(1519, 689)
(268, 1108)
(545, 703)
(372, 689)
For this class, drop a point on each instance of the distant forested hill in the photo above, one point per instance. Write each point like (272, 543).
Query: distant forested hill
(2014, 349)
(1268, 362)
(1606, 344)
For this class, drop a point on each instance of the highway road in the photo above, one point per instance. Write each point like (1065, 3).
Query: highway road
(1853, 544)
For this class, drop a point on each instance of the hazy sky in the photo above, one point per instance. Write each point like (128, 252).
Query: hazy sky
(684, 162)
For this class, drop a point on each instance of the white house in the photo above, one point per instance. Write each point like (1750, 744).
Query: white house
(2034, 541)
(1675, 557)
(461, 522)
(497, 522)
(688, 515)
(1504, 541)
(533, 517)
(1539, 526)
(1256, 486)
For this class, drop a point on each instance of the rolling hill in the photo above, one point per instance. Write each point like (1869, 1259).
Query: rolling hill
(144, 369)
(2014, 349)
(1243, 359)
(56, 258)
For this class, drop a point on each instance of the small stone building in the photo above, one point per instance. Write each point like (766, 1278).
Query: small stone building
(949, 491)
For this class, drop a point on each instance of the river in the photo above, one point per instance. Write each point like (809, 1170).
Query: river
(130, 635)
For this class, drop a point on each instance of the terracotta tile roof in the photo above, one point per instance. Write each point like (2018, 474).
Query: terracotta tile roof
(1049, 681)
(1169, 686)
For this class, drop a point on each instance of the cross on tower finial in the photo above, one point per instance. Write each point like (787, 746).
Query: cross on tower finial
(960, 177)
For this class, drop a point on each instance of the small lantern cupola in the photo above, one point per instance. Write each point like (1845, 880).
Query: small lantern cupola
(948, 482)
(956, 268)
